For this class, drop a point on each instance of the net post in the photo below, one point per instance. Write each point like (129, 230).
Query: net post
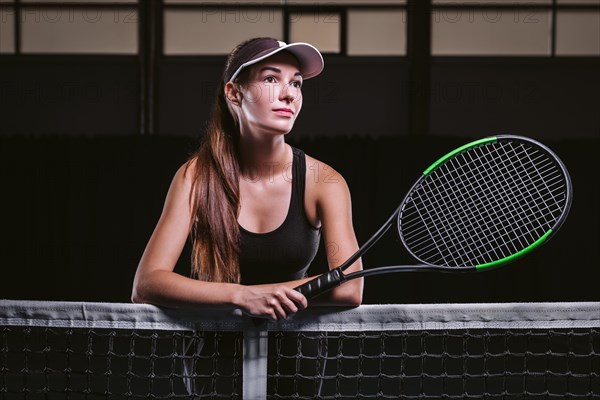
(256, 335)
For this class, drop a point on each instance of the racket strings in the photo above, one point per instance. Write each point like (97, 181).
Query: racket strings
(485, 204)
(460, 223)
(462, 250)
(481, 199)
(547, 180)
(502, 209)
(518, 206)
(523, 216)
(446, 218)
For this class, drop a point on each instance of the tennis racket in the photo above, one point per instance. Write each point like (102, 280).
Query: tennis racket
(479, 207)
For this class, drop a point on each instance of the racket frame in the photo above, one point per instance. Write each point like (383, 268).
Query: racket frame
(336, 276)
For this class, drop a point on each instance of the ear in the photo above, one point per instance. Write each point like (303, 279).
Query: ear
(232, 93)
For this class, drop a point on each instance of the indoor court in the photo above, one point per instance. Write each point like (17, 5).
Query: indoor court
(466, 132)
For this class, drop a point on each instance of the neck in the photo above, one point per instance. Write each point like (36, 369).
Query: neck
(264, 159)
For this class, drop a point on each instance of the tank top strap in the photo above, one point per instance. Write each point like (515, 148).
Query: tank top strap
(298, 179)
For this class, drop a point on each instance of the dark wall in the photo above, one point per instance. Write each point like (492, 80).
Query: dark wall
(541, 98)
(82, 190)
(97, 95)
(68, 95)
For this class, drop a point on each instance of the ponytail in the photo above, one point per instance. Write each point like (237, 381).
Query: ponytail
(215, 199)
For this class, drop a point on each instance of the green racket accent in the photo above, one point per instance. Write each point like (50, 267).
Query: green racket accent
(455, 151)
(517, 254)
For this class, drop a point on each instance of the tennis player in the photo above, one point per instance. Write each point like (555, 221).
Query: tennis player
(255, 206)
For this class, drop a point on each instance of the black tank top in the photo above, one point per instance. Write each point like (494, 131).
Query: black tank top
(285, 253)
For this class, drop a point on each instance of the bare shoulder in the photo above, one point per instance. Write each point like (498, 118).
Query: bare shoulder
(185, 175)
(326, 182)
(179, 194)
(187, 170)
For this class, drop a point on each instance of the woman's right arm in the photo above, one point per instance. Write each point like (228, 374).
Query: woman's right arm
(156, 283)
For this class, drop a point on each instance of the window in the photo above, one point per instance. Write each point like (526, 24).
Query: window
(53, 27)
(318, 27)
(376, 32)
(348, 27)
(7, 30)
(516, 27)
(79, 30)
(212, 31)
(578, 33)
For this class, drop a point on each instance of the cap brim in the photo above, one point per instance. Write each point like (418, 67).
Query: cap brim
(309, 57)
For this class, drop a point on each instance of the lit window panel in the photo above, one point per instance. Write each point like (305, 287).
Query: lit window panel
(576, 2)
(216, 31)
(578, 33)
(376, 32)
(490, 2)
(7, 30)
(67, 30)
(82, 1)
(318, 27)
(491, 31)
(221, 2)
(347, 2)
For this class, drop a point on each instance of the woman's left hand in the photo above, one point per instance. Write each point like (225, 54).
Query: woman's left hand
(270, 301)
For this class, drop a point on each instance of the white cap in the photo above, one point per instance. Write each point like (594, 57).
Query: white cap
(309, 58)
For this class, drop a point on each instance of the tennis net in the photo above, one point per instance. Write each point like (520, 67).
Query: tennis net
(67, 350)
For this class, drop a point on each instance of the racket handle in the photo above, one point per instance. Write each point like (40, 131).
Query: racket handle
(322, 283)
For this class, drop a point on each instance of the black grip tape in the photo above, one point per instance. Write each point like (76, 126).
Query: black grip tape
(321, 283)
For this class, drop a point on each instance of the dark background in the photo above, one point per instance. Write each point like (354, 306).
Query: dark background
(82, 191)
(89, 144)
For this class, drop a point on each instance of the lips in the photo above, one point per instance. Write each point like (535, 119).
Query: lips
(284, 111)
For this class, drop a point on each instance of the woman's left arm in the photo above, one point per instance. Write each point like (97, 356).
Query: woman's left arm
(334, 208)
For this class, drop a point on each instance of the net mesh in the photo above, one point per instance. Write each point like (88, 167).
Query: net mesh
(473, 364)
(486, 351)
(55, 363)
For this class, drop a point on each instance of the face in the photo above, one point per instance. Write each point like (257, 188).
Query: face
(271, 99)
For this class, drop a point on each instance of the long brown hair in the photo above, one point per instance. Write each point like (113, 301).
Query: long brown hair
(215, 194)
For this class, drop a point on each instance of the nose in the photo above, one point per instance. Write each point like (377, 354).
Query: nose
(289, 93)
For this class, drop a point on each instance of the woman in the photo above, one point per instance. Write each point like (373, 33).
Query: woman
(254, 206)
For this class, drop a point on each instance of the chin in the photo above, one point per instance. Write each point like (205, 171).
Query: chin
(282, 130)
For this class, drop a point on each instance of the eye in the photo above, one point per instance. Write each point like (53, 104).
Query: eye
(269, 79)
(296, 84)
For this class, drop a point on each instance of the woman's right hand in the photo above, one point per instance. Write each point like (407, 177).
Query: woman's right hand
(270, 301)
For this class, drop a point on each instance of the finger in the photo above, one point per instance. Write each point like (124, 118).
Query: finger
(269, 312)
(289, 305)
(273, 307)
(281, 313)
(285, 301)
(272, 315)
(298, 298)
